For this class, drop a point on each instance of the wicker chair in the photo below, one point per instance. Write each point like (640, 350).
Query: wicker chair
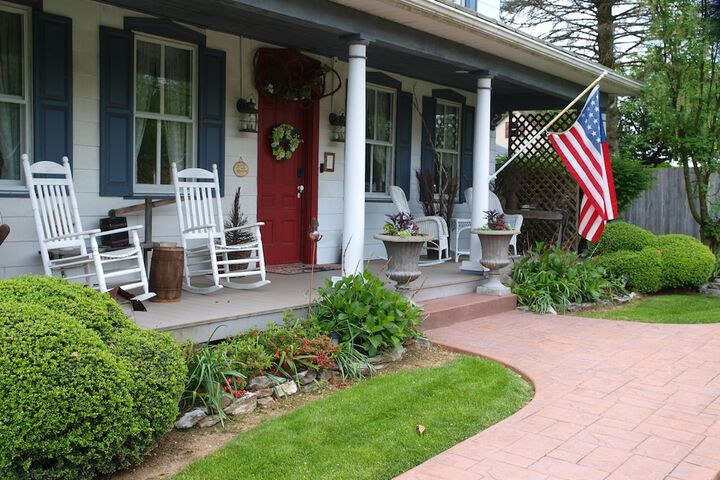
(436, 227)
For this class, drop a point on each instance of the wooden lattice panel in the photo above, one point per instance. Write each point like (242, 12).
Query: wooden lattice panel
(538, 178)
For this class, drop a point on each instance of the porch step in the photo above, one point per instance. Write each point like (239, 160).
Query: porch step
(447, 311)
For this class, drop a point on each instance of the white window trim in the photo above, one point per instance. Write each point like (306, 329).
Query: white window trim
(12, 186)
(143, 188)
(391, 180)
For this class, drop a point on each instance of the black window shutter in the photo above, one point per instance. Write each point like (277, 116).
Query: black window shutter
(403, 140)
(52, 87)
(427, 156)
(116, 112)
(466, 149)
(211, 103)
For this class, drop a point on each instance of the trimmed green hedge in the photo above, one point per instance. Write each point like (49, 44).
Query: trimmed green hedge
(129, 376)
(619, 236)
(652, 263)
(643, 269)
(686, 262)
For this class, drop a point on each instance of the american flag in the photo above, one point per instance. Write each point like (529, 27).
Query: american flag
(584, 151)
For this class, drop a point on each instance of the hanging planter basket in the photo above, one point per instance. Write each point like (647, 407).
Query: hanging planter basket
(284, 140)
(285, 74)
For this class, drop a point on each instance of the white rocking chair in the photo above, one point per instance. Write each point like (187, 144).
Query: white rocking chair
(436, 227)
(63, 242)
(200, 215)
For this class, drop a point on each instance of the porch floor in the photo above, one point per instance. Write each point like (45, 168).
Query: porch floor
(229, 312)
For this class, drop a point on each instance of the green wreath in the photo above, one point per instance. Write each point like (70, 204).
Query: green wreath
(284, 140)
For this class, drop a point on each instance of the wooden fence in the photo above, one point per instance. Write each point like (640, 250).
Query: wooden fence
(664, 208)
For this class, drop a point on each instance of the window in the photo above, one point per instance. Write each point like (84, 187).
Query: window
(14, 92)
(165, 110)
(379, 139)
(447, 136)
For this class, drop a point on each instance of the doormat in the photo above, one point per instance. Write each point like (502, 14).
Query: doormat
(295, 268)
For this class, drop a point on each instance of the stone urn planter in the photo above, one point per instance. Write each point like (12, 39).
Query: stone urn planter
(495, 245)
(403, 257)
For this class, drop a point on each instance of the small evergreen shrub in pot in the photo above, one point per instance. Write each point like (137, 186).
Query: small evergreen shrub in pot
(619, 236)
(686, 262)
(145, 367)
(360, 310)
(642, 270)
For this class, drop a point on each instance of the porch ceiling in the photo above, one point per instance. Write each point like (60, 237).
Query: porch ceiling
(317, 26)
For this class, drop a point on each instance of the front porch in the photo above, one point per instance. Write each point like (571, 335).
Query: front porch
(229, 312)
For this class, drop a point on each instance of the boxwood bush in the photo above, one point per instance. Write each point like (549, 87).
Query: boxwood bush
(144, 371)
(686, 262)
(642, 270)
(620, 236)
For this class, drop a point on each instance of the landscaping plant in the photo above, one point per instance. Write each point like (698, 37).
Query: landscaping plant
(642, 270)
(212, 376)
(401, 224)
(363, 312)
(686, 262)
(652, 263)
(622, 236)
(85, 391)
(552, 279)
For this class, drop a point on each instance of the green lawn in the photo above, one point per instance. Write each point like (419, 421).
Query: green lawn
(666, 309)
(368, 431)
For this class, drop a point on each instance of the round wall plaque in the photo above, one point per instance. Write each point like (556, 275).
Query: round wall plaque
(241, 169)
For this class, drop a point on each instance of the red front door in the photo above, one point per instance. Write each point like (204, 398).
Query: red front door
(286, 188)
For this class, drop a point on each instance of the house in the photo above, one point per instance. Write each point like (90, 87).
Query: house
(126, 87)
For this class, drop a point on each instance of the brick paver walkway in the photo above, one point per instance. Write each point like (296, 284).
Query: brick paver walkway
(614, 400)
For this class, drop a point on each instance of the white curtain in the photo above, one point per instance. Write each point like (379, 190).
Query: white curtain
(146, 86)
(11, 83)
(178, 98)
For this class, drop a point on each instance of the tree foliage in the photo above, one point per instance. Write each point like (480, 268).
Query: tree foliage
(610, 32)
(682, 100)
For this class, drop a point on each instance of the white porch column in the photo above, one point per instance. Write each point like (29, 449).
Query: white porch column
(481, 168)
(353, 243)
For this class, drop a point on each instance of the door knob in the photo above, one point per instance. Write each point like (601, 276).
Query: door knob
(300, 189)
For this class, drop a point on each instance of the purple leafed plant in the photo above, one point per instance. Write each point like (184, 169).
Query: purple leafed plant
(401, 224)
(495, 220)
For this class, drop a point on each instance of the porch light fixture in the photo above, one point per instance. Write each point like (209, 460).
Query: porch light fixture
(336, 120)
(248, 115)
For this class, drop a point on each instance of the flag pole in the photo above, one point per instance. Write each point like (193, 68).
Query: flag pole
(546, 127)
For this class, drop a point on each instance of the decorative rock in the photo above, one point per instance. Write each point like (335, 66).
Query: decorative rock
(209, 421)
(308, 376)
(245, 404)
(285, 389)
(265, 401)
(190, 419)
(423, 343)
(393, 356)
(310, 387)
(712, 288)
(324, 375)
(259, 383)
(265, 392)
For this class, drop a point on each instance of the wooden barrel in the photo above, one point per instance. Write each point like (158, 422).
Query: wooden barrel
(166, 273)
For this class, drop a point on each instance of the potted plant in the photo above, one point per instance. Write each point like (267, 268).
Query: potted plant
(495, 242)
(237, 237)
(403, 242)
